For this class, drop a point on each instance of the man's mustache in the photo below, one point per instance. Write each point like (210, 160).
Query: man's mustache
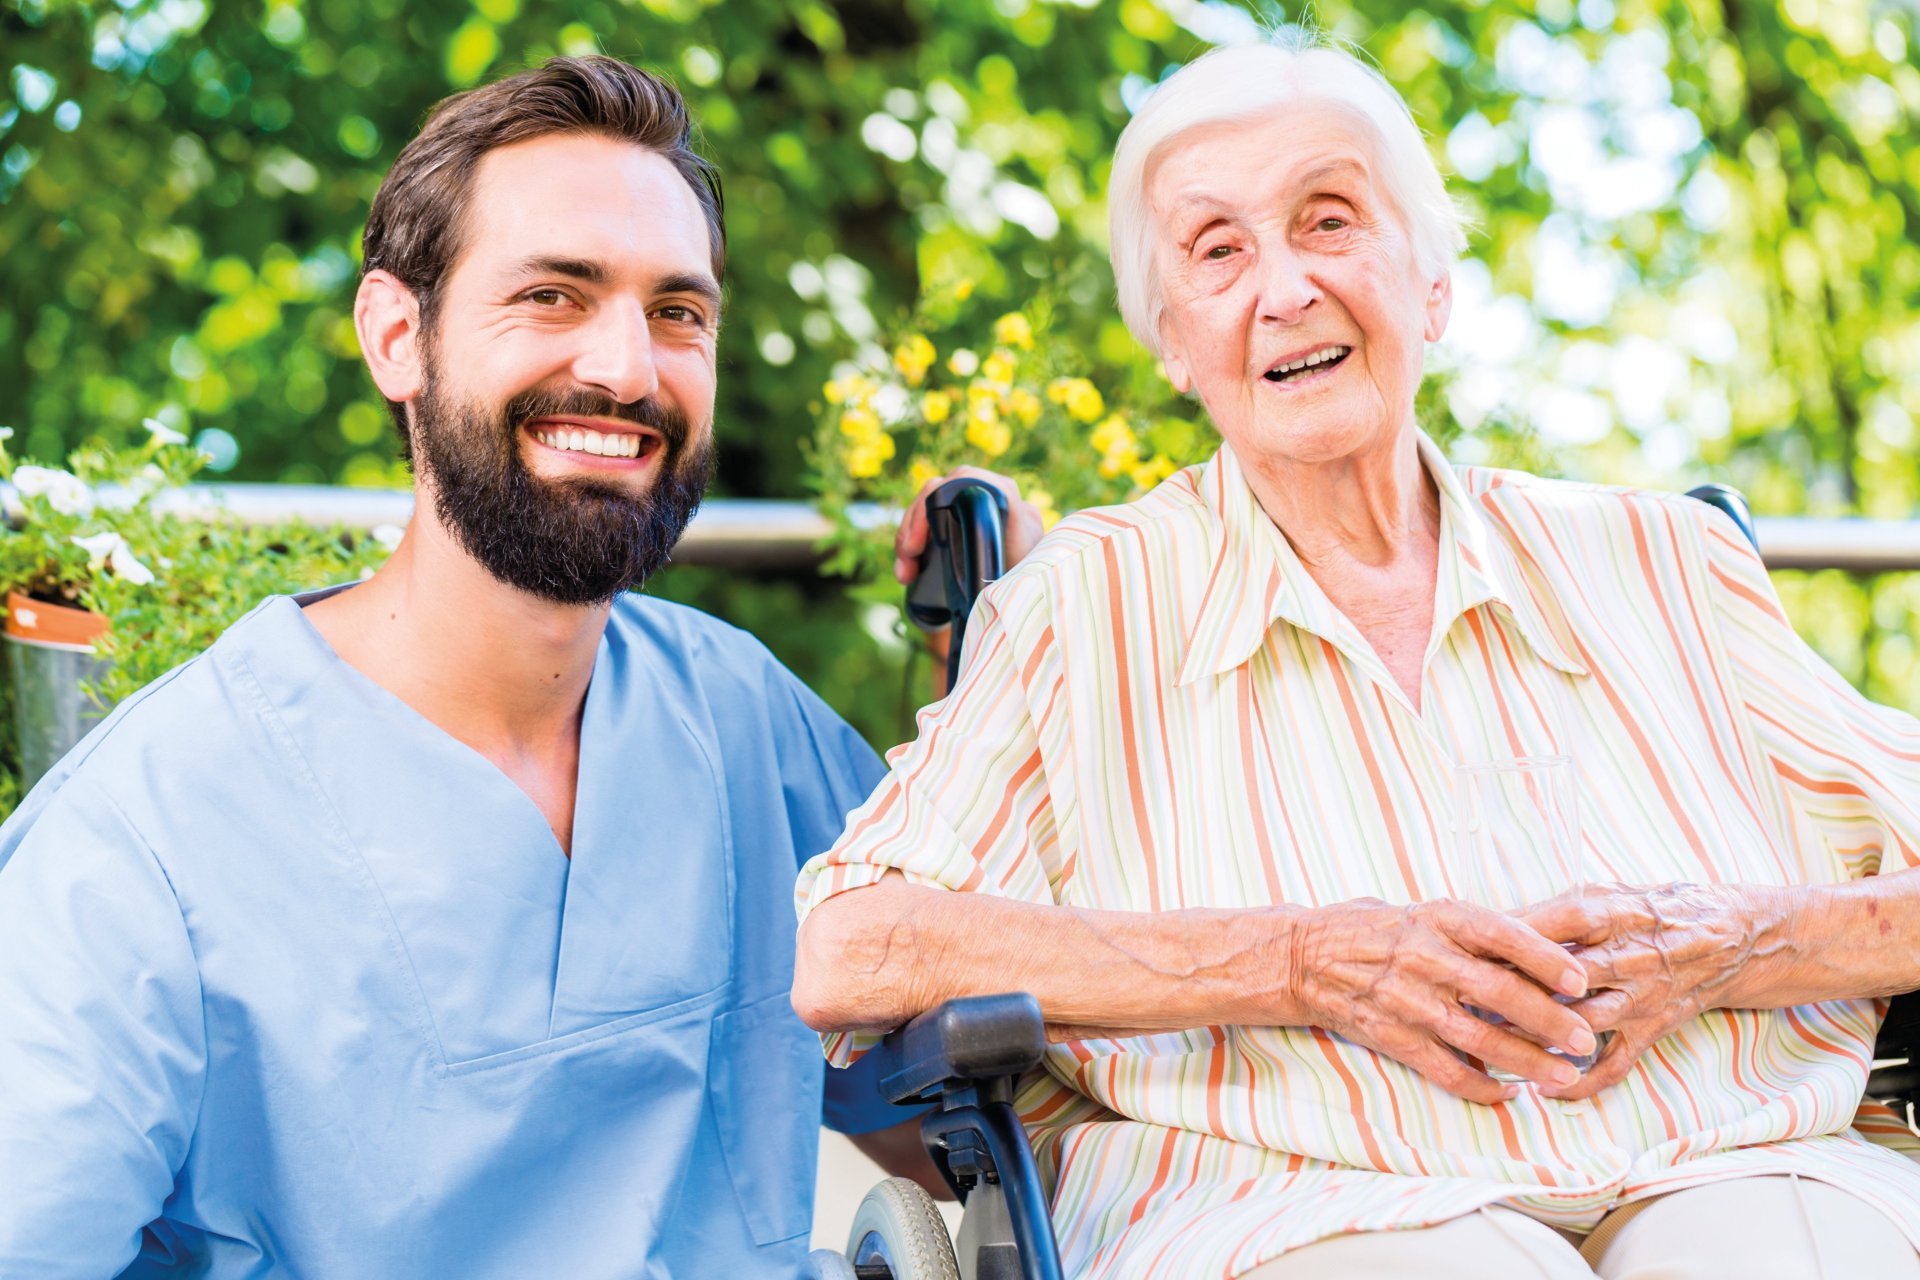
(581, 403)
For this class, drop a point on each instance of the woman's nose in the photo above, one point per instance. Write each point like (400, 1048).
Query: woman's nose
(1287, 288)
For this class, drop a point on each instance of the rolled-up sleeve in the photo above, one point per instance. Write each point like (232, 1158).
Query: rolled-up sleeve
(1842, 772)
(103, 1044)
(967, 805)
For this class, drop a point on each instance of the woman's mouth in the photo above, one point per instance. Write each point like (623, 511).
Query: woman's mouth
(1321, 360)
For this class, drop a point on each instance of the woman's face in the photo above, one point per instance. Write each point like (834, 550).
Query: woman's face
(1275, 245)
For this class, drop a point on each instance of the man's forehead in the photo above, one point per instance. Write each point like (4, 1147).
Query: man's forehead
(585, 198)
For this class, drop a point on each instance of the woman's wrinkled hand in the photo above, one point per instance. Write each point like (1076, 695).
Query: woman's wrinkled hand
(1401, 981)
(1658, 956)
(1024, 525)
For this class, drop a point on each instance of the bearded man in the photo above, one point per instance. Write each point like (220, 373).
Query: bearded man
(440, 925)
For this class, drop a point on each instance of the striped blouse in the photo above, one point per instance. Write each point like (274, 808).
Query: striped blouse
(1160, 709)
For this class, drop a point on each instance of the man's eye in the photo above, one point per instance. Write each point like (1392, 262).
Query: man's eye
(546, 297)
(681, 315)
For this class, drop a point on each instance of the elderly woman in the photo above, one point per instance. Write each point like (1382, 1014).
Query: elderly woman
(1193, 790)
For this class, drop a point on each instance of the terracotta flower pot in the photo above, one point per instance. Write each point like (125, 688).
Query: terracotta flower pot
(43, 623)
(50, 657)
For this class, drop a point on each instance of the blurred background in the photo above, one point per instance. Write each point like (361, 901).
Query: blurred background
(1694, 259)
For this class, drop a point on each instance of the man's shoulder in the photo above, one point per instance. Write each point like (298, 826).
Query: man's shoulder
(193, 728)
(682, 630)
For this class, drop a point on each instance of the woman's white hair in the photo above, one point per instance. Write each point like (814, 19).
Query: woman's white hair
(1242, 82)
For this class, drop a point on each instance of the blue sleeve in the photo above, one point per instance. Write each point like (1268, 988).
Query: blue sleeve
(102, 1040)
(831, 777)
(825, 782)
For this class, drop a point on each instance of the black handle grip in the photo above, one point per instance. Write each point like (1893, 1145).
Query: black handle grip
(1733, 503)
(966, 550)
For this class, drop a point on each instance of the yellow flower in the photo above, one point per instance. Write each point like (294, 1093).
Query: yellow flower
(1081, 398)
(1043, 502)
(979, 392)
(989, 435)
(999, 367)
(1119, 451)
(1113, 434)
(855, 388)
(920, 472)
(963, 288)
(1151, 472)
(1025, 406)
(860, 424)
(936, 407)
(868, 456)
(1013, 330)
(913, 357)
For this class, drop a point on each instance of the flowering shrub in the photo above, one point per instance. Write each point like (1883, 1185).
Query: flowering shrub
(112, 532)
(991, 394)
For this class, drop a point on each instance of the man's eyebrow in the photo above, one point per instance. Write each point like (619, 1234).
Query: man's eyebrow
(575, 268)
(588, 271)
(699, 285)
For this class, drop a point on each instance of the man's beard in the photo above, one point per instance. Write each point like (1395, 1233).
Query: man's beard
(578, 540)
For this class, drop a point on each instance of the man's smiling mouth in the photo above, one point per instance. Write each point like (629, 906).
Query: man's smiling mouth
(603, 444)
(1313, 362)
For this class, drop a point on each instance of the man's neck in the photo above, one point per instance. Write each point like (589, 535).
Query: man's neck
(502, 671)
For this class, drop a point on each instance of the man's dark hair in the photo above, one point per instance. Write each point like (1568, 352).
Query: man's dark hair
(415, 227)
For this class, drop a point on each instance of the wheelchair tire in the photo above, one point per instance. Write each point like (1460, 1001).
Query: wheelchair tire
(899, 1226)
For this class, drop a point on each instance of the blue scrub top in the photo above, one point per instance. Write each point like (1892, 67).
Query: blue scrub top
(292, 983)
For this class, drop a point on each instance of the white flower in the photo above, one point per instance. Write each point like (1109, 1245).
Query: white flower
(111, 552)
(387, 535)
(162, 433)
(65, 492)
(6, 433)
(148, 479)
(98, 548)
(128, 569)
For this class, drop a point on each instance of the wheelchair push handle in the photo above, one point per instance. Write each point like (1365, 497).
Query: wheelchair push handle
(966, 550)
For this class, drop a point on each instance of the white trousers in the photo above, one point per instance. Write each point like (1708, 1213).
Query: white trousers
(1768, 1228)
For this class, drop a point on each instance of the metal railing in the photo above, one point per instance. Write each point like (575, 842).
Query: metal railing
(739, 533)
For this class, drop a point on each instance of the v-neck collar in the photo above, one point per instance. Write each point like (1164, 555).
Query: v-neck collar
(512, 942)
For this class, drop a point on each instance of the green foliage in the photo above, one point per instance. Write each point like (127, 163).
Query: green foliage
(107, 534)
(1696, 253)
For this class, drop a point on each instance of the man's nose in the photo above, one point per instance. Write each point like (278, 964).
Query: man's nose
(617, 355)
(1287, 286)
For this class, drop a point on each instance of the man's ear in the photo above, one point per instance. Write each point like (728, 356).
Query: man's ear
(1173, 356)
(386, 316)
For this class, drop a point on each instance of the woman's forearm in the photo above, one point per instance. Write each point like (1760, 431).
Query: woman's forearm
(1835, 942)
(873, 958)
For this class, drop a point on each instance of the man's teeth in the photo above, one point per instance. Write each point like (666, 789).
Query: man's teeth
(1308, 361)
(612, 444)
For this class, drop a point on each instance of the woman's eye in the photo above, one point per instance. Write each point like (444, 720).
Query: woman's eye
(1218, 253)
(1331, 224)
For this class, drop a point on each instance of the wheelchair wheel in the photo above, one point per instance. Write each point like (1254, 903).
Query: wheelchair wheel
(898, 1226)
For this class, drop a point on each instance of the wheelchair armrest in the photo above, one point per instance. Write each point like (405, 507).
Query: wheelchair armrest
(969, 1038)
(1900, 1033)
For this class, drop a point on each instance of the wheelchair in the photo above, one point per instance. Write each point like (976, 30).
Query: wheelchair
(967, 1056)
